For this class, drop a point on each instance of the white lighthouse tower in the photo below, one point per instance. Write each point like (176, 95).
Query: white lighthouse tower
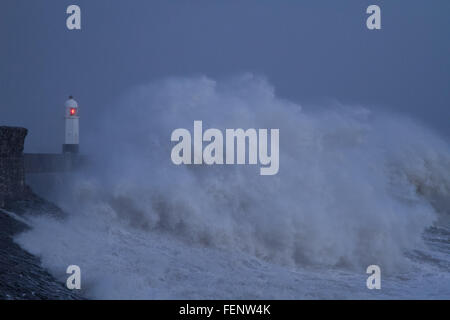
(71, 142)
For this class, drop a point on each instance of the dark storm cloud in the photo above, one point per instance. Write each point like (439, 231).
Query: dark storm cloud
(310, 50)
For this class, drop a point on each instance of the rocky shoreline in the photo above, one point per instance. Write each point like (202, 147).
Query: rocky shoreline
(21, 274)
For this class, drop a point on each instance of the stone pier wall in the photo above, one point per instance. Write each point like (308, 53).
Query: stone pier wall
(12, 171)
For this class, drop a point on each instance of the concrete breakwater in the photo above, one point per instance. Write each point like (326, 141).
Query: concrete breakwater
(21, 274)
(12, 169)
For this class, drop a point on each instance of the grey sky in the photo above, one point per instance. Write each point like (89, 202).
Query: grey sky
(309, 50)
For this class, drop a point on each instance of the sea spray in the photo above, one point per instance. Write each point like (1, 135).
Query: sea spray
(348, 195)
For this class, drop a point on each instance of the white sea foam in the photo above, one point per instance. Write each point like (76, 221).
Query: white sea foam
(354, 188)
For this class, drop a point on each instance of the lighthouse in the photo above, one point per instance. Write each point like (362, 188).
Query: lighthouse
(71, 142)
